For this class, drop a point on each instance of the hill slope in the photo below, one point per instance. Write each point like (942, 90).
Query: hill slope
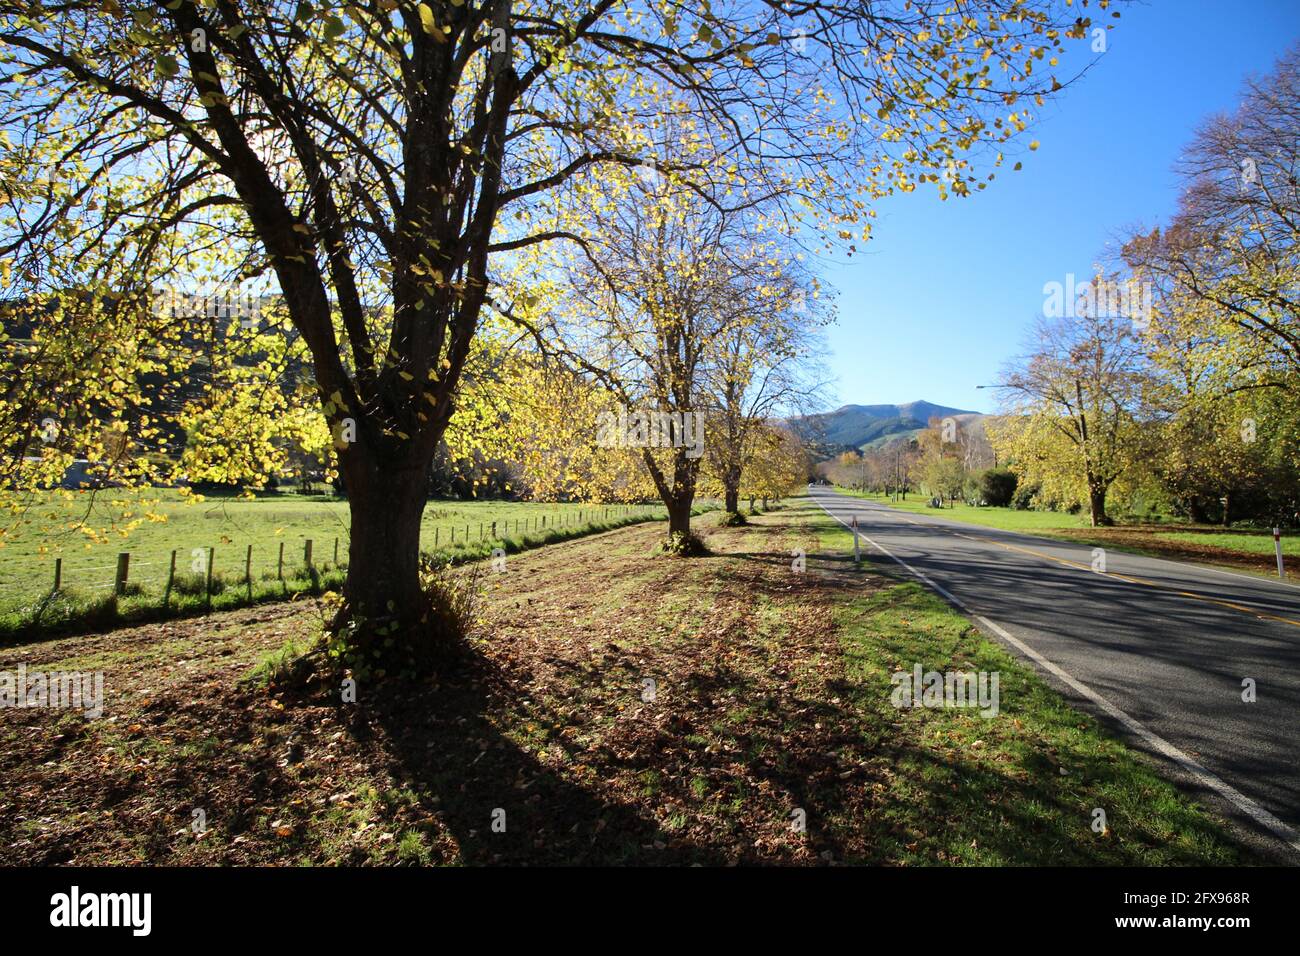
(852, 426)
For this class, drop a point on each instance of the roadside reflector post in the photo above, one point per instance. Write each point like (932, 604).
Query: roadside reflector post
(857, 551)
(1277, 546)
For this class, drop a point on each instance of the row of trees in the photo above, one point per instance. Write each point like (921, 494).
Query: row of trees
(1190, 403)
(401, 173)
(951, 459)
(888, 468)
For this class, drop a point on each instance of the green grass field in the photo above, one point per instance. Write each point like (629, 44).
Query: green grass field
(150, 525)
(1240, 541)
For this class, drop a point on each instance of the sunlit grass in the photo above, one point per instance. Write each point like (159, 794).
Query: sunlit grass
(228, 525)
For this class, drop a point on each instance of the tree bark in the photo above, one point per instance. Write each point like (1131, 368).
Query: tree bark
(1097, 504)
(679, 496)
(731, 487)
(382, 594)
(679, 515)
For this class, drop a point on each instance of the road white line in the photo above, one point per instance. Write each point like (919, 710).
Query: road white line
(1206, 777)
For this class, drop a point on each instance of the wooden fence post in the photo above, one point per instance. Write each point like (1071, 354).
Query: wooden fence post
(212, 554)
(494, 530)
(58, 573)
(435, 539)
(123, 566)
(248, 571)
(336, 551)
(279, 568)
(171, 577)
(306, 555)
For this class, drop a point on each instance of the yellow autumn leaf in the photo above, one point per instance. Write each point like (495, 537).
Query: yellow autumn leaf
(426, 19)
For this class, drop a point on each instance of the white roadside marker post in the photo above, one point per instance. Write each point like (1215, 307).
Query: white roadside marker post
(1277, 546)
(857, 554)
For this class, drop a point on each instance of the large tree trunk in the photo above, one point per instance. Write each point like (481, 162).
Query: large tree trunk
(678, 497)
(679, 515)
(383, 598)
(733, 497)
(1097, 503)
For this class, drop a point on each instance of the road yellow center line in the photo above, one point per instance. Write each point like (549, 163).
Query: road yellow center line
(1254, 612)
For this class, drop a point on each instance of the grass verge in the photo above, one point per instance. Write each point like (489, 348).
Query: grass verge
(1025, 785)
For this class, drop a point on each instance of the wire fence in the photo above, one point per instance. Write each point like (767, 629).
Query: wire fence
(242, 564)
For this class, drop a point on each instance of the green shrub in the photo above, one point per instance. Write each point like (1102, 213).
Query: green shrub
(1023, 499)
(997, 487)
(453, 597)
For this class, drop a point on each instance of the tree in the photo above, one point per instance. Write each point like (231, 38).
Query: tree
(659, 295)
(1224, 438)
(1075, 407)
(945, 477)
(761, 366)
(1232, 248)
(1223, 337)
(940, 463)
(553, 433)
(779, 466)
(372, 160)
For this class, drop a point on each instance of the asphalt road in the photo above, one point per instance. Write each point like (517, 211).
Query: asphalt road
(1157, 648)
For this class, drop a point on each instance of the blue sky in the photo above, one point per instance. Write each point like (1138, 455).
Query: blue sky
(944, 293)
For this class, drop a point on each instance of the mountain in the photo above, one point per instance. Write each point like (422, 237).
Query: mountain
(853, 426)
